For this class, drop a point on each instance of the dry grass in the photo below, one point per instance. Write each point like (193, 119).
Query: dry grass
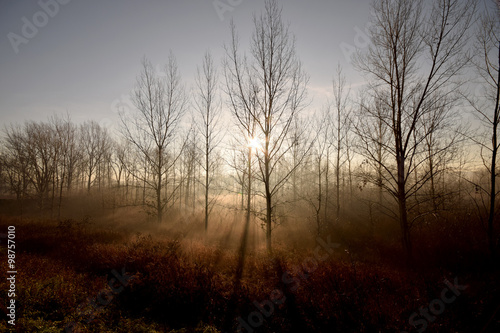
(183, 283)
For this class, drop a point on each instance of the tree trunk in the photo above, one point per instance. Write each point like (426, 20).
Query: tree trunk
(249, 192)
(327, 188)
(432, 176)
(338, 183)
(491, 215)
(268, 221)
(318, 209)
(403, 212)
(159, 188)
(61, 193)
(206, 185)
(268, 202)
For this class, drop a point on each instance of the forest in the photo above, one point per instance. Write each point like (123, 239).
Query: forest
(232, 206)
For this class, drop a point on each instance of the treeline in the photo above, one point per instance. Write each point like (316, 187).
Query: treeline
(400, 149)
(54, 160)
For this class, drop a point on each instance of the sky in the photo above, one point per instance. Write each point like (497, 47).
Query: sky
(83, 56)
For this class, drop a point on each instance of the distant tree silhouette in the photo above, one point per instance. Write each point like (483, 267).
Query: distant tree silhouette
(161, 103)
(95, 143)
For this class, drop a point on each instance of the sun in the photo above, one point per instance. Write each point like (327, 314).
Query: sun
(254, 143)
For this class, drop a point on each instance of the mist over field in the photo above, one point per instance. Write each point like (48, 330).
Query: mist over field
(251, 196)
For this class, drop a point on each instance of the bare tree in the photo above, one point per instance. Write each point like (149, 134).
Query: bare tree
(190, 159)
(318, 199)
(340, 122)
(119, 162)
(349, 151)
(36, 144)
(441, 146)
(273, 76)
(374, 133)
(486, 107)
(67, 136)
(15, 163)
(238, 162)
(242, 95)
(297, 133)
(244, 145)
(209, 115)
(95, 142)
(415, 54)
(161, 103)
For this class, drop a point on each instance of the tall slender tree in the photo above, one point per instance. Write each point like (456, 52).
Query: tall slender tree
(274, 77)
(416, 53)
(487, 107)
(161, 103)
(340, 121)
(208, 124)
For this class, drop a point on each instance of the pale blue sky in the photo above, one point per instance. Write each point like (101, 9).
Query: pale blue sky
(85, 59)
